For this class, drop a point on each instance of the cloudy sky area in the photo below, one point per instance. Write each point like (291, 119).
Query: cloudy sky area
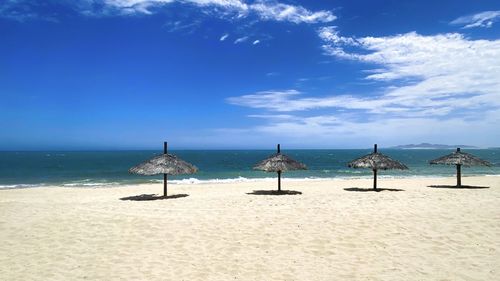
(128, 74)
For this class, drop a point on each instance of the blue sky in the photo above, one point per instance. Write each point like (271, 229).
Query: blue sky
(129, 74)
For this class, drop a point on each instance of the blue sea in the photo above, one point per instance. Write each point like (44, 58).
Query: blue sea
(110, 168)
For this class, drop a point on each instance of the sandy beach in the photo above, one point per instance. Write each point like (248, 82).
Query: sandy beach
(332, 231)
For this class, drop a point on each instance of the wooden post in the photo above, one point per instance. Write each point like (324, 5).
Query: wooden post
(165, 175)
(279, 180)
(459, 172)
(165, 185)
(375, 170)
(279, 172)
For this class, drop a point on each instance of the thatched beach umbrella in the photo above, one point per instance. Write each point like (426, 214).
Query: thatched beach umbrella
(279, 163)
(166, 164)
(460, 159)
(376, 161)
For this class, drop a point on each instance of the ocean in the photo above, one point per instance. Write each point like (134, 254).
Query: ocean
(110, 168)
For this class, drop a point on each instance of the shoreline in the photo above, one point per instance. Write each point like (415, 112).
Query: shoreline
(195, 181)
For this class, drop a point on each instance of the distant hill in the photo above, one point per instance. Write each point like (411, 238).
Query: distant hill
(431, 146)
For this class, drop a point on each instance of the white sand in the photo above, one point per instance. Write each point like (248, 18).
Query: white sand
(219, 232)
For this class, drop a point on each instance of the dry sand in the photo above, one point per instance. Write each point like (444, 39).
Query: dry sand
(219, 232)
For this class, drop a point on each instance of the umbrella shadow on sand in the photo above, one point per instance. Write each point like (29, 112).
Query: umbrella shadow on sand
(459, 159)
(376, 161)
(150, 197)
(166, 164)
(278, 163)
(358, 189)
(275, 192)
(459, 187)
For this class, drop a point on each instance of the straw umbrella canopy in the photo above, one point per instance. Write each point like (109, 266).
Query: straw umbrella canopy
(376, 161)
(166, 164)
(279, 163)
(460, 159)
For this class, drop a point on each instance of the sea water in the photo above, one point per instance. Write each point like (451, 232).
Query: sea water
(110, 168)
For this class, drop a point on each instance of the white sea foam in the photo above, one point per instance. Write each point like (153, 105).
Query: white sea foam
(82, 183)
(196, 181)
(89, 184)
(208, 181)
(21, 185)
(243, 179)
(351, 171)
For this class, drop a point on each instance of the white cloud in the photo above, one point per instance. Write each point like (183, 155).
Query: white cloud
(331, 129)
(327, 131)
(134, 6)
(147, 6)
(483, 19)
(271, 74)
(272, 116)
(23, 10)
(264, 10)
(256, 42)
(271, 10)
(441, 86)
(186, 27)
(443, 71)
(292, 100)
(274, 100)
(241, 40)
(224, 37)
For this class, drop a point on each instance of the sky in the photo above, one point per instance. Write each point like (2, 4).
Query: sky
(235, 74)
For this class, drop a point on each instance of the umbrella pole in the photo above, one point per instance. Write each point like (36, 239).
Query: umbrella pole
(375, 170)
(279, 180)
(165, 149)
(279, 172)
(165, 185)
(459, 175)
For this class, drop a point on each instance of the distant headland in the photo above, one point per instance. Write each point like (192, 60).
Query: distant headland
(425, 145)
